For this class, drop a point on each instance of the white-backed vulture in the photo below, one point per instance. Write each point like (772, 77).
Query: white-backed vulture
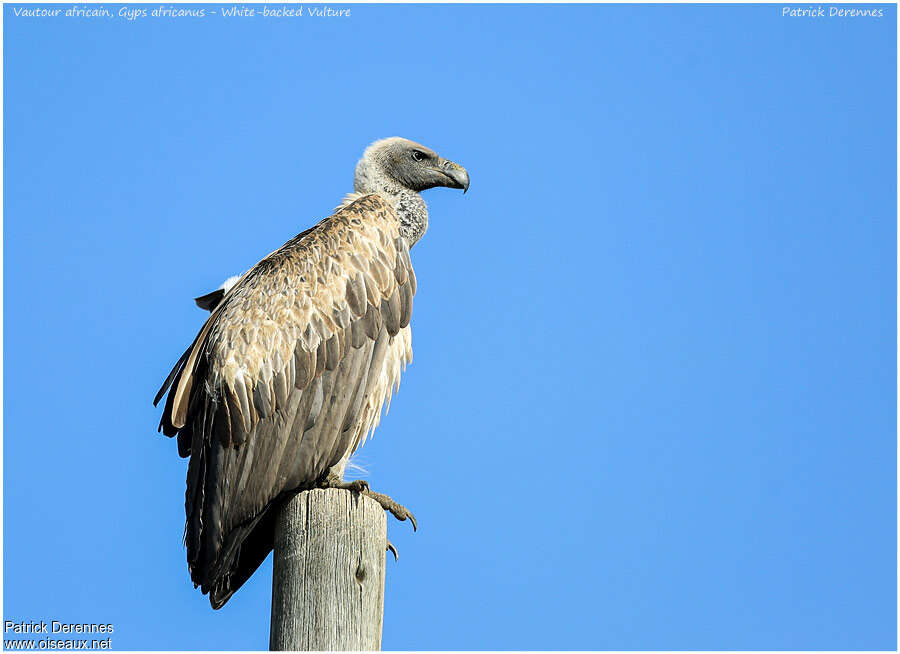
(289, 374)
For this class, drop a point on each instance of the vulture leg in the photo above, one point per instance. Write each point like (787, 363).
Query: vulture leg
(362, 487)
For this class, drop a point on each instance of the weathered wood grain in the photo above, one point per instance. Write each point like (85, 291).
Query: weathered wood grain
(328, 578)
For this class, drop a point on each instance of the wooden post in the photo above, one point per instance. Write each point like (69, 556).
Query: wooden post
(328, 578)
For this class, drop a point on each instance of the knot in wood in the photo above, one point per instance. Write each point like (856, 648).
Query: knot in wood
(361, 572)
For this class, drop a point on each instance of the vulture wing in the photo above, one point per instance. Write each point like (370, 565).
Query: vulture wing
(286, 377)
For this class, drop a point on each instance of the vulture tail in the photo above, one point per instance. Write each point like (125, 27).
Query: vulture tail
(246, 549)
(220, 557)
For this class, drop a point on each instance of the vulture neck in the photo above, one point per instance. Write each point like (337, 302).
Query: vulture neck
(408, 204)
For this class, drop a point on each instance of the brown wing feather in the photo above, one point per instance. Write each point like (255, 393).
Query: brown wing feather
(286, 377)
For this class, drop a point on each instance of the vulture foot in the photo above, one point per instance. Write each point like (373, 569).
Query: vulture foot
(397, 510)
(361, 486)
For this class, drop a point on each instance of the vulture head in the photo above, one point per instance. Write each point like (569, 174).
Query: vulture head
(400, 162)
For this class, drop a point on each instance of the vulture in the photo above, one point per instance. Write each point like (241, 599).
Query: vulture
(289, 373)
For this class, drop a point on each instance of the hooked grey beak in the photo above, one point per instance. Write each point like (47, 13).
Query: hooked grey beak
(457, 174)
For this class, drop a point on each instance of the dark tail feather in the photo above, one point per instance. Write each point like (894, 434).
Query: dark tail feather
(251, 551)
(246, 549)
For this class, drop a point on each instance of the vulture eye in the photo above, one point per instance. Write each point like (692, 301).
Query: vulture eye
(418, 156)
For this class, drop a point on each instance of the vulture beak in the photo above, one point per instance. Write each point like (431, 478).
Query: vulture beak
(458, 176)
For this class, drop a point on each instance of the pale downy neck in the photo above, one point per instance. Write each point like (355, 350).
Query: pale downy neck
(408, 204)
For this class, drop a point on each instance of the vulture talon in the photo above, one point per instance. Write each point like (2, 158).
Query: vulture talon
(361, 486)
(397, 510)
(357, 485)
(333, 481)
(393, 550)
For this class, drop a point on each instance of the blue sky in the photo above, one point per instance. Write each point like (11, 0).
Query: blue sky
(653, 398)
